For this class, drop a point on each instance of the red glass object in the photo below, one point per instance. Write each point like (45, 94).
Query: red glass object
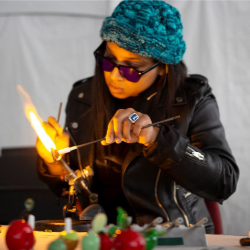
(20, 236)
(129, 239)
(106, 242)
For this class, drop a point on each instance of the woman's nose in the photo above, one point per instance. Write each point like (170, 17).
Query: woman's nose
(115, 74)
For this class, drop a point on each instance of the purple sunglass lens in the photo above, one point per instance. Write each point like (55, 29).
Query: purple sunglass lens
(130, 74)
(104, 64)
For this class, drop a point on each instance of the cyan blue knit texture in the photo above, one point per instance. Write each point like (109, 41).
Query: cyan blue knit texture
(150, 28)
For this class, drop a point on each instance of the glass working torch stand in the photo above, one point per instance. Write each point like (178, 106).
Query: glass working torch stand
(77, 184)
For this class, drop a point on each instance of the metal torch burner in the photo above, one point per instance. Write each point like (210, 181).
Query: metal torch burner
(78, 183)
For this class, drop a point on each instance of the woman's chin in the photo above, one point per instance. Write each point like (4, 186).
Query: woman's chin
(118, 95)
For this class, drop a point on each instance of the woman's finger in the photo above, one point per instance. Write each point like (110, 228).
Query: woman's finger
(104, 143)
(50, 130)
(142, 121)
(43, 152)
(52, 121)
(118, 121)
(127, 126)
(110, 136)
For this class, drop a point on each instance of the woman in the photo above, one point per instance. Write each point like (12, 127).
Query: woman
(162, 170)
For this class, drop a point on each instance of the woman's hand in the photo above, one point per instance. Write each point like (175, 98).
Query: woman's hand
(56, 133)
(120, 129)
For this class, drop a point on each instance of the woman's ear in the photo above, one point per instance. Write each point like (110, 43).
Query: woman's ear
(164, 70)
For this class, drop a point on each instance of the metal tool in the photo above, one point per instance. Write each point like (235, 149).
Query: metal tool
(69, 149)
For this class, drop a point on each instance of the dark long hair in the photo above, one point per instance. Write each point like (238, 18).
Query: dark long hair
(105, 105)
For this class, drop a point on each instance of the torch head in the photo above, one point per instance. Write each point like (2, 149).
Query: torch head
(56, 156)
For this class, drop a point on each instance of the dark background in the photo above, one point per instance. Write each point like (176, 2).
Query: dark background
(19, 181)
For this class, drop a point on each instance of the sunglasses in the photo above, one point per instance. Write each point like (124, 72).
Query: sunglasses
(129, 73)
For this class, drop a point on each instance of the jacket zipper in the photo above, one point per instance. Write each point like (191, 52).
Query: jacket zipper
(156, 185)
(178, 205)
(191, 152)
(187, 194)
(138, 220)
(156, 195)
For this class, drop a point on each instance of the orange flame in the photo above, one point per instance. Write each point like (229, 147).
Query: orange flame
(46, 140)
(34, 119)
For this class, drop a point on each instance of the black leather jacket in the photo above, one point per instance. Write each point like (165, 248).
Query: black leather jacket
(189, 161)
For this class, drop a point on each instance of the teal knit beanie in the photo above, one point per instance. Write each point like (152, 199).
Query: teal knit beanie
(150, 28)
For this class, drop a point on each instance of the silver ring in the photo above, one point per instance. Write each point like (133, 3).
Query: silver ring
(133, 117)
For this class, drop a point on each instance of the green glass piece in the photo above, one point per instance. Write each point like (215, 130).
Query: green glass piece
(112, 230)
(99, 222)
(162, 232)
(121, 218)
(29, 204)
(57, 245)
(91, 241)
(70, 236)
(151, 238)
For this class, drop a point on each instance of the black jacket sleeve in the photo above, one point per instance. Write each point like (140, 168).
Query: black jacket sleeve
(213, 177)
